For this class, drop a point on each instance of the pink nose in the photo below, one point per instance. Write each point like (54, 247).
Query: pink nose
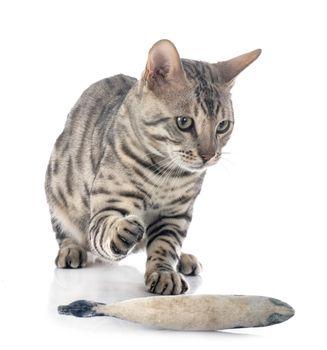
(207, 156)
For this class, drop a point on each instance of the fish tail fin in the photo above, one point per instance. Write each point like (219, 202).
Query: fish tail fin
(81, 308)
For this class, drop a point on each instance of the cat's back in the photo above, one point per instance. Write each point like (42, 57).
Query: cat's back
(90, 116)
(99, 102)
(79, 148)
(107, 89)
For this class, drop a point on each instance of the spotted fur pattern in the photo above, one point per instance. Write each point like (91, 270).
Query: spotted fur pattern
(123, 175)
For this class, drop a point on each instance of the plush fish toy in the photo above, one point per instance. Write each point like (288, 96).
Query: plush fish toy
(189, 312)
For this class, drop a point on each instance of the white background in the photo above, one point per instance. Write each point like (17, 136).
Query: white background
(260, 222)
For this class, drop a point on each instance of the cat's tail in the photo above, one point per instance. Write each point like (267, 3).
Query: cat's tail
(190, 312)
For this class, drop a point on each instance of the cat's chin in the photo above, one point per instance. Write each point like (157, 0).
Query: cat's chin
(198, 168)
(193, 168)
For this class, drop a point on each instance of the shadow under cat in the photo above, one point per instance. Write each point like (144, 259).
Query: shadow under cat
(103, 282)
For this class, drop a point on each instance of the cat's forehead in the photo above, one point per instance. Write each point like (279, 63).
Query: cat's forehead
(201, 72)
(208, 94)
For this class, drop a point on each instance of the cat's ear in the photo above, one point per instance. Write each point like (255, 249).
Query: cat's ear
(228, 70)
(163, 65)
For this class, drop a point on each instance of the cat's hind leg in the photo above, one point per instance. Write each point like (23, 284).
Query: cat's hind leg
(70, 254)
(189, 265)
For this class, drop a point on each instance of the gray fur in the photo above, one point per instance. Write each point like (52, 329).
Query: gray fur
(123, 176)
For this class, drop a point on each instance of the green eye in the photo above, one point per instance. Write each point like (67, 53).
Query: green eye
(223, 126)
(184, 123)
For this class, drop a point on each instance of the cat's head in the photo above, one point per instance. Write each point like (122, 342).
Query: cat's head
(186, 111)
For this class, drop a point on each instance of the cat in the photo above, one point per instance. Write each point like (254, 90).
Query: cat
(130, 162)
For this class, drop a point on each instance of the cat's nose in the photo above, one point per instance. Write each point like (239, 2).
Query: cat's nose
(206, 156)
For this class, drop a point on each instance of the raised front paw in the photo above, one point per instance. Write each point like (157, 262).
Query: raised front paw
(166, 283)
(125, 233)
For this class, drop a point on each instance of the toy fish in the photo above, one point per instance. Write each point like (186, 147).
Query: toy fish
(189, 312)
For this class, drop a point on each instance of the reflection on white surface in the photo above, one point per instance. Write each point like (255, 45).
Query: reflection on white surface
(101, 282)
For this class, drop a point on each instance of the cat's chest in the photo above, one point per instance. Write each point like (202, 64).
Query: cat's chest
(156, 195)
(164, 195)
(171, 198)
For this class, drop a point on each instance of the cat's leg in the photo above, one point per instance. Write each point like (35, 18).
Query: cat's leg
(70, 254)
(189, 265)
(113, 233)
(116, 224)
(164, 241)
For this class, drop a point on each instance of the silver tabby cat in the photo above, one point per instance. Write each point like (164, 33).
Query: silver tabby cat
(127, 168)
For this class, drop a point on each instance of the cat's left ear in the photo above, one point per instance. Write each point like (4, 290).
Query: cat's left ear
(164, 65)
(228, 70)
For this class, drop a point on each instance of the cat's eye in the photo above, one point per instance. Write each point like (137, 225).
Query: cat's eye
(223, 126)
(184, 123)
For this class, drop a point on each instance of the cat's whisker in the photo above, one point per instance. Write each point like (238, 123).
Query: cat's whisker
(160, 168)
(151, 155)
(158, 171)
(171, 172)
(155, 178)
(226, 160)
(164, 176)
(161, 162)
(176, 178)
(168, 168)
(159, 165)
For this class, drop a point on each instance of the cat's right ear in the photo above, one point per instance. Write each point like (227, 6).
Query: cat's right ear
(164, 65)
(228, 70)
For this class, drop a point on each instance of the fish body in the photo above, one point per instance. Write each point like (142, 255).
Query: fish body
(190, 312)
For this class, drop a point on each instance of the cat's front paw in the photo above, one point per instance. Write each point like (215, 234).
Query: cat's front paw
(189, 265)
(71, 256)
(125, 233)
(166, 283)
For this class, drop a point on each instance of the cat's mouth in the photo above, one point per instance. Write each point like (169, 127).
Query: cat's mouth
(197, 165)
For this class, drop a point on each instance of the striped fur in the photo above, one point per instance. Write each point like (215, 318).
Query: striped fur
(123, 176)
